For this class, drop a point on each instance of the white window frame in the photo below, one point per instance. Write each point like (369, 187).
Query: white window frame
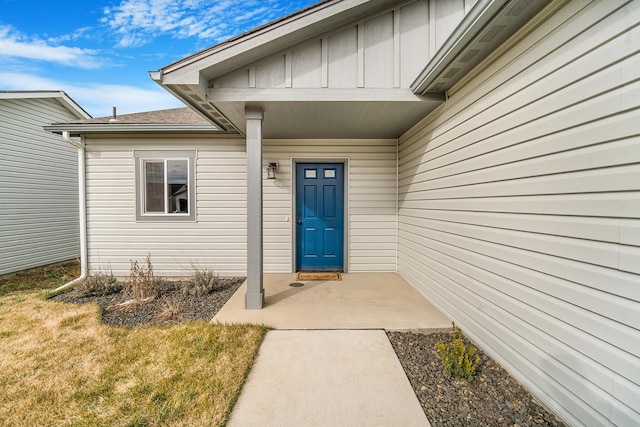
(141, 158)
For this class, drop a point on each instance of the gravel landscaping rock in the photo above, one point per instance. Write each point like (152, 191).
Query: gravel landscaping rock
(171, 306)
(492, 398)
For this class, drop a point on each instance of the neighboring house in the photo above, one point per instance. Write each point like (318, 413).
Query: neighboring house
(39, 175)
(486, 151)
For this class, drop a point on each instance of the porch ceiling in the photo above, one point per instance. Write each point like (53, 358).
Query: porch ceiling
(355, 119)
(357, 113)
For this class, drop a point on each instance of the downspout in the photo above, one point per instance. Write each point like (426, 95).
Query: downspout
(82, 208)
(397, 203)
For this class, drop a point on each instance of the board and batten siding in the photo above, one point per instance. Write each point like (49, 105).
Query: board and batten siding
(519, 210)
(371, 200)
(39, 192)
(217, 240)
(386, 50)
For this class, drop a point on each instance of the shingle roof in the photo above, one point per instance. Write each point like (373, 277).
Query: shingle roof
(171, 116)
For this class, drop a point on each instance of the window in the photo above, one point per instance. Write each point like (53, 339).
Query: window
(165, 187)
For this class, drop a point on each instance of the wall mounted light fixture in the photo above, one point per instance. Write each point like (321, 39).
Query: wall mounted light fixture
(271, 170)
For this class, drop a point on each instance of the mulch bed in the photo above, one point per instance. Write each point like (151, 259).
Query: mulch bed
(492, 398)
(172, 305)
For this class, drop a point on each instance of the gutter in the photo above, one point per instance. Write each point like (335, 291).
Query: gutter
(82, 208)
(84, 128)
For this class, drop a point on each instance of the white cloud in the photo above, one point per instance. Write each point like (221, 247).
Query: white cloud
(138, 22)
(97, 98)
(16, 45)
(251, 14)
(77, 34)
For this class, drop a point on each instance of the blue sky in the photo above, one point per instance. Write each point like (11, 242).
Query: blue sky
(100, 51)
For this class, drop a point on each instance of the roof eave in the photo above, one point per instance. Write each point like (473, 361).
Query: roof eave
(61, 95)
(202, 107)
(473, 41)
(106, 128)
(73, 106)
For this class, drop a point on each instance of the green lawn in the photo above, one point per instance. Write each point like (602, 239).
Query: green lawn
(47, 277)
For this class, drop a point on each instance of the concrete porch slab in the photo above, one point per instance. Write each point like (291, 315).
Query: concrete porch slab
(358, 301)
(327, 378)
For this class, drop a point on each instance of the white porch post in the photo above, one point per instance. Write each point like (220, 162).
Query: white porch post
(255, 293)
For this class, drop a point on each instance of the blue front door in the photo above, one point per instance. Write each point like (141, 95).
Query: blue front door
(319, 216)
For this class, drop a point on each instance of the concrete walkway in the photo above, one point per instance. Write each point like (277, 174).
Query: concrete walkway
(327, 378)
(329, 361)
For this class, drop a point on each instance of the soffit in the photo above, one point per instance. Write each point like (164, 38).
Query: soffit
(489, 24)
(333, 119)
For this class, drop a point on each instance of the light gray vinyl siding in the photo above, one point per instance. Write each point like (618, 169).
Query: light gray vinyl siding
(387, 50)
(218, 239)
(519, 211)
(39, 190)
(370, 212)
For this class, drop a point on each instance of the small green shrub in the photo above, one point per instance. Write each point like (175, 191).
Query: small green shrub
(99, 284)
(202, 281)
(458, 360)
(142, 284)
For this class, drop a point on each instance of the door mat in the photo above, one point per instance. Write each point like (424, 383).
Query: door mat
(320, 275)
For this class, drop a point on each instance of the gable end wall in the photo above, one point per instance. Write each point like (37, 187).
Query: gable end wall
(387, 50)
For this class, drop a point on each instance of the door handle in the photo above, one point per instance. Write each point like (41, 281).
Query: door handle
(299, 221)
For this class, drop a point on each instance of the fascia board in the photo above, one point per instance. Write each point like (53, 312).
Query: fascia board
(74, 107)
